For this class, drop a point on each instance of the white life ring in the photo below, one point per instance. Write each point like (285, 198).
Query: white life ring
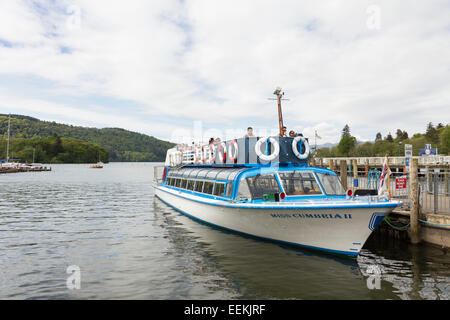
(222, 152)
(233, 156)
(265, 157)
(305, 154)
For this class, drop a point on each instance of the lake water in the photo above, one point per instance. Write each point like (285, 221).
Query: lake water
(129, 245)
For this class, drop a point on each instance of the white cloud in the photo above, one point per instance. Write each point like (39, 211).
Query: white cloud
(219, 61)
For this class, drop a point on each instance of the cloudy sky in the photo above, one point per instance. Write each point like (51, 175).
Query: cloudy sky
(171, 68)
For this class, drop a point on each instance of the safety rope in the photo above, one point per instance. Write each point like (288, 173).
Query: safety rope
(386, 219)
(435, 224)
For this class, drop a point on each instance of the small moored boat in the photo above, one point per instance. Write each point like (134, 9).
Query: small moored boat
(98, 165)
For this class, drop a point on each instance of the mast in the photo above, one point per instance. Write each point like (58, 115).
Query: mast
(7, 139)
(279, 95)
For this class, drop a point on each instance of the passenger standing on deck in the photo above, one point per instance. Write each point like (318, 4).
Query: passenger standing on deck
(283, 130)
(292, 134)
(249, 133)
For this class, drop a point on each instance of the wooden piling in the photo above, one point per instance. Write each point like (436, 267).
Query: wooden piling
(355, 170)
(344, 174)
(446, 174)
(415, 206)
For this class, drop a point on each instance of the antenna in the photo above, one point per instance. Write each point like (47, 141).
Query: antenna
(279, 93)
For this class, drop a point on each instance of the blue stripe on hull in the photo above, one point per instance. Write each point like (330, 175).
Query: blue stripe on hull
(185, 193)
(344, 253)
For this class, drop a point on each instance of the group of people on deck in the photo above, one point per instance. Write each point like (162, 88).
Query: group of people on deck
(292, 133)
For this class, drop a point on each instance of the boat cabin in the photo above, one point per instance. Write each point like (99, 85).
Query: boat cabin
(254, 184)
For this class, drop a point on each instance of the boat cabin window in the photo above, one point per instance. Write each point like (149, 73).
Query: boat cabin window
(262, 184)
(213, 181)
(219, 189)
(190, 185)
(298, 183)
(244, 191)
(229, 192)
(208, 187)
(331, 184)
(199, 186)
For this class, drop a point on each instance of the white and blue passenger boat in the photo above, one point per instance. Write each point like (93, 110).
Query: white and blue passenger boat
(263, 187)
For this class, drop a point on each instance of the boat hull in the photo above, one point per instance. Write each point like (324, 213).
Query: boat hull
(336, 230)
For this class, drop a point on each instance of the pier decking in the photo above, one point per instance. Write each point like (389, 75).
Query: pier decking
(15, 168)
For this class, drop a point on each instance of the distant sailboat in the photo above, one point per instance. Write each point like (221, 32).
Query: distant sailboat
(98, 165)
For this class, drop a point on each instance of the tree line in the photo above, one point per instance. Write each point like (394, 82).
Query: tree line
(438, 136)
(122, 145)
(54, 149)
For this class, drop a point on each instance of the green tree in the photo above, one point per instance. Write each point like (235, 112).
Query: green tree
(445, 141)
(432, 133)
(347, 142)
(389, 137)
(378, 137)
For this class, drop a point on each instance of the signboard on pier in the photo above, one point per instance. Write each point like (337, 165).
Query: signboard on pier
(428, 151)
(400, 183)
(408, 150)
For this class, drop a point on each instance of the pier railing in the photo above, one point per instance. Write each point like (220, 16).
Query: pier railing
(378, 161)
(434, 189)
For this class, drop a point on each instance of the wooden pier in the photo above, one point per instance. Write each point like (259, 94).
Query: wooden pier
(23, 168)
(412, 222)
(397, 164)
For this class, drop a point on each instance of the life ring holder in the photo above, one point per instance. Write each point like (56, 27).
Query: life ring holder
(305, 154)
(222, 152)
(265, 157)
(203, 154)
(197, 160)
(233, 147)
(211, 154)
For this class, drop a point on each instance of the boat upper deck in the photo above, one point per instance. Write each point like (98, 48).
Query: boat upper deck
(258, 185)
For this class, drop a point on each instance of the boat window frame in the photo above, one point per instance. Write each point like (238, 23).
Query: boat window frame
(323, 187)
(212, 188)
(197, 183)
(216, 183)
(189, 183)
(263, 176)
(207, 178)
(229, 190)
(311, 173)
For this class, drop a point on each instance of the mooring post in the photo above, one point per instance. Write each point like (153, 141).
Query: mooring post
(435, 176)
(344, 173)
(355, 173)
(446, 174)
(415, 205)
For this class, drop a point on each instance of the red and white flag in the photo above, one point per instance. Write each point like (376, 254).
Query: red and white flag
(385, 173)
